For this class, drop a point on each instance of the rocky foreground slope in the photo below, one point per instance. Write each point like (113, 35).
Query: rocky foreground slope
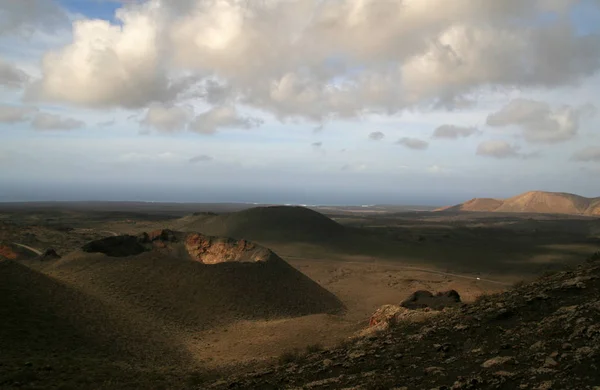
(541, 335)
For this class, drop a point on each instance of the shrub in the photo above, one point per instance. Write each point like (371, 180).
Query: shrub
(312, 348)
(289, 357)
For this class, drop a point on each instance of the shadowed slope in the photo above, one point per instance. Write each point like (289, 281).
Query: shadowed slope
(594, 207)
(275, 223)
(42, 317)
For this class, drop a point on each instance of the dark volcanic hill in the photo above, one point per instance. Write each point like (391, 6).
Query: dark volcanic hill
(193, 280)
(273, 223)
(44, 318)
(533, 202)
(541, 335)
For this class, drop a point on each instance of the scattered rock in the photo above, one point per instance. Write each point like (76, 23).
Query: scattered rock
(497, 361)
(434, 371)
(550, 362)
(551, 325)
(547, 385)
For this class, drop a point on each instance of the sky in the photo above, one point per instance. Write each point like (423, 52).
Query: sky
(428, 102)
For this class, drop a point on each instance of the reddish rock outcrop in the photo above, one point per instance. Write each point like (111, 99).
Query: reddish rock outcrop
(7, 252)
(214, 250)
(201, 248)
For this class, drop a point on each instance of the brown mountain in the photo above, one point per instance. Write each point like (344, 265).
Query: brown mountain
(475, 204)
(533, 202)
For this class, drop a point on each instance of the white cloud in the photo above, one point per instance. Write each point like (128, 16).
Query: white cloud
(315, 59)
(109, 65)
(11, 76)
(45, 121)
(591, 153)
(12, 114)
(498, 149)
(210, 121)
(538, 121)
(376, 136)
(167, 118)
(453, 132)
(413, 143)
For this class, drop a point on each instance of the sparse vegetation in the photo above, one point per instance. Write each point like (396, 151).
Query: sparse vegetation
(312, 348)
(290, 356)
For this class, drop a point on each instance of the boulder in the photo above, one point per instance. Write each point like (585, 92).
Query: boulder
(49, 254)
(424, 299)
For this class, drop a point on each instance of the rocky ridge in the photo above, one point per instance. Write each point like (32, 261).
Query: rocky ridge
(198, 247)
(541, 335)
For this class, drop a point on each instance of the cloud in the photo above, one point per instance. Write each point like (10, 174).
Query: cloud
(316, 60)
(413, 143)
(591, 153)
(167, 118)
(376, 136)
(11, 114)
(11, 76)
(453, 132)
(498, 149)
(201, 158)
(25, 17)
(109, 65)
(222, 117)
(45, 121)
(317, 144)
(539, 122)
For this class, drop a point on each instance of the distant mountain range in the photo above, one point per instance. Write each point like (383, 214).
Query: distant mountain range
(533, 202)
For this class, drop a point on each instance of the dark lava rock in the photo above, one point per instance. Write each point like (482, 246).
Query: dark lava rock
(118, 246)
(422, 299)
(164, 235)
